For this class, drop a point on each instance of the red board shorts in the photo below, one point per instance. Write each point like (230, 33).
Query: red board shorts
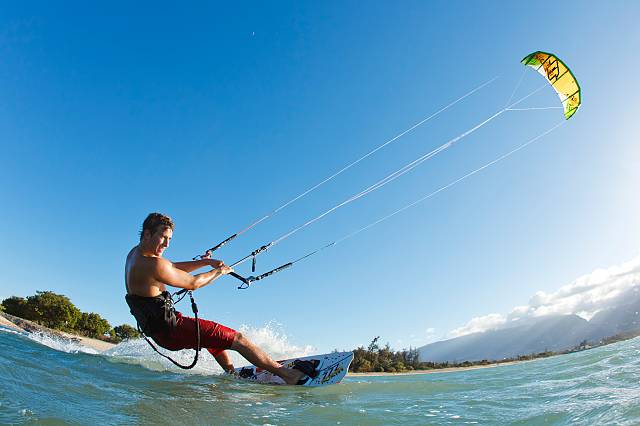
(213, 336)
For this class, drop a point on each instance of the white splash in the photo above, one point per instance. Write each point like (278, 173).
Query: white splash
(60, 344)
(271, 338)
(138, 351)
(10, 330)
(274, 341)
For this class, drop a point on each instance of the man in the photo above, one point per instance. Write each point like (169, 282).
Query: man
(147, 274)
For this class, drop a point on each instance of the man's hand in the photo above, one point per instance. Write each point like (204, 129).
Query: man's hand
(224, 269)
(216, 264)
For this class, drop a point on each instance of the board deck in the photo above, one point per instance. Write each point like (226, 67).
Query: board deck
(331, 370)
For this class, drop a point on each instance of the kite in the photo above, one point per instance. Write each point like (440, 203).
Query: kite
(559, 76)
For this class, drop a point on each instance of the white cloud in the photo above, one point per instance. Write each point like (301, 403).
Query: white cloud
(586, 296)
(478, 324)
(427, 336)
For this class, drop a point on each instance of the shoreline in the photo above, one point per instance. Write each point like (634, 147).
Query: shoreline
(8, 324)
(435, 370)
(22, 325)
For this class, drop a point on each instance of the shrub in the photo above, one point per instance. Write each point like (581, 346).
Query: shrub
(92, 325)
(125, 331)
(17, 306)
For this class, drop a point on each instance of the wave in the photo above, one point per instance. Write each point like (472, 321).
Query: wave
(271, 338)
(60, 343)
(10, 330)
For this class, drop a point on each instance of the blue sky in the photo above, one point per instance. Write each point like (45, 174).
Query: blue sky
(216, 114)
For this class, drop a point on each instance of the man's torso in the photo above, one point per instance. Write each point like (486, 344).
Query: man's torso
(139, 275)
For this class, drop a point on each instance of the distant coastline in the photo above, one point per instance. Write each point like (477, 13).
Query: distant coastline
(20, 324)
(382, 361)
(438, 370)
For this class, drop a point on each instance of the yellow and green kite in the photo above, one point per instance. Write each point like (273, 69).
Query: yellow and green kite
(559, 76)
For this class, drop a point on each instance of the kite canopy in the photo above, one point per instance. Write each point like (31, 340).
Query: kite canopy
(559, 76)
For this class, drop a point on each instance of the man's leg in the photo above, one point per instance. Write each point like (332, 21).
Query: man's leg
(223, 359)
(215, 335)
(259, 358)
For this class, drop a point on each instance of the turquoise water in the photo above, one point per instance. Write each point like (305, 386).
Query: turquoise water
(50, 382)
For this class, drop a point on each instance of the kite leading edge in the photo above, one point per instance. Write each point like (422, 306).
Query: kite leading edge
(559, 76)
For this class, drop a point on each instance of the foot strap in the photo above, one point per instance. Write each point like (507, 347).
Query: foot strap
(309, 368)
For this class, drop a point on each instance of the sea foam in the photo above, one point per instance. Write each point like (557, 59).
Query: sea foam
(60, 343)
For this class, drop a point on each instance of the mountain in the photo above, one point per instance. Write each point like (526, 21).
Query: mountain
(549, 333)
(619, 319)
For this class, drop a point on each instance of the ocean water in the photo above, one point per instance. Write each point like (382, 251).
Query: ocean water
(46, 381)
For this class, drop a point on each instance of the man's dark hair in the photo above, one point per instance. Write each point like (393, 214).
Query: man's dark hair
(155, 221)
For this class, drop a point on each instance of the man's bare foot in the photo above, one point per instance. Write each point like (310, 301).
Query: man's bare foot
(259, 358)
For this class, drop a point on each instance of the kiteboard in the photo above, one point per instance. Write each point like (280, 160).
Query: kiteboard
(330, 368)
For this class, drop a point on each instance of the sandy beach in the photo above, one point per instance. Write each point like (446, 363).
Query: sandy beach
(8, 324)
(19, 324)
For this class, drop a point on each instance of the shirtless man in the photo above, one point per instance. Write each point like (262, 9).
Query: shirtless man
(147, 274)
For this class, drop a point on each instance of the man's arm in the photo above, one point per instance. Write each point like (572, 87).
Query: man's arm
(167, 273)
(192, 265)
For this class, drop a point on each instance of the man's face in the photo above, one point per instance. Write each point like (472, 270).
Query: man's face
(159, 241)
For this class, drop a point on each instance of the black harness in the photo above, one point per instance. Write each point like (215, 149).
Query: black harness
(158, 315)
(153, 314)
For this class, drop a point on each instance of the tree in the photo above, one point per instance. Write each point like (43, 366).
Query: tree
(53, 310)
(413, 357)
(92, 325)
(17, 306)
(385, 358)
(373, 346)
(125, 331)
(364, 367)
